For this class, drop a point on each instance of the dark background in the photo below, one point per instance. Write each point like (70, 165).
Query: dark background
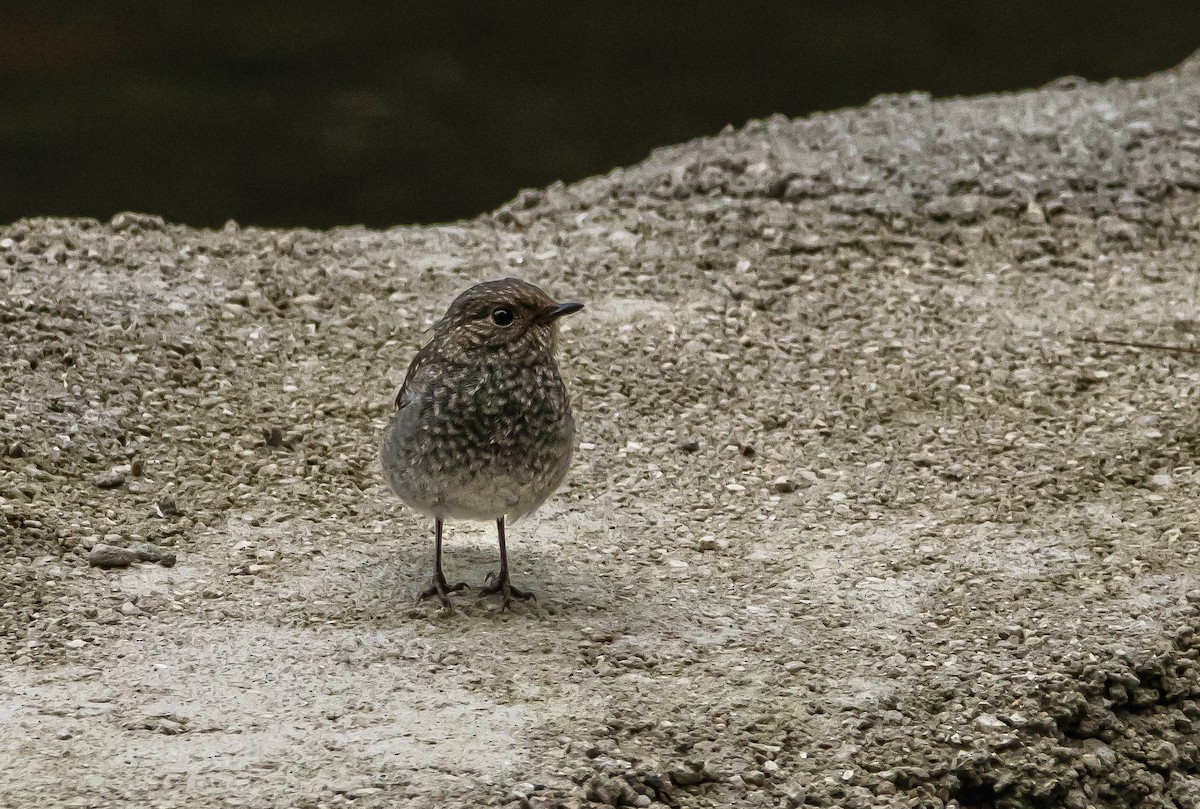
(317, 114)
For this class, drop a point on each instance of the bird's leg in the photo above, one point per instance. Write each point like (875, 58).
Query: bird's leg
(501, 584)
(439, 587)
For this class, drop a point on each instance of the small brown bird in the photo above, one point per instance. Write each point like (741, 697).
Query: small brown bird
(483, 427)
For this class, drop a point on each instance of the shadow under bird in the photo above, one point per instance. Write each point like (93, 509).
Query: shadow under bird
(483, 427)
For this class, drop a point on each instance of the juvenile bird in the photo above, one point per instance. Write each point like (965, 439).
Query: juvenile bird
(483, 427)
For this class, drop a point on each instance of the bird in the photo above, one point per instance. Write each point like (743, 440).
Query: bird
(482, 428)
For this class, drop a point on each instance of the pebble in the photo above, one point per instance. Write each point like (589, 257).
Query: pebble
(610, 791)
(686, 776)
(136, 221)
(754, 777)
(169, 727)
(110, 556)
(165, 507)
(991, 722)
(148, 552)
(363, 792)
(111, 479)
(784, 485)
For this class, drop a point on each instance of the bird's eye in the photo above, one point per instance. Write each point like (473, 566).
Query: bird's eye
(502, 316)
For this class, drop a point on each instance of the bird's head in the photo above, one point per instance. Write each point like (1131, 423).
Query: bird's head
(507, 313)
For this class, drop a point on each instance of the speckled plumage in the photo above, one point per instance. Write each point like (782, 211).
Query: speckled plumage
(483, 427)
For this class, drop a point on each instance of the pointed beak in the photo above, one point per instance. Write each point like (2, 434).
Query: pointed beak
(553, 313)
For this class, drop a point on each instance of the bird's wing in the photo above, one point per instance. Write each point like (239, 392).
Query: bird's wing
(408, 389)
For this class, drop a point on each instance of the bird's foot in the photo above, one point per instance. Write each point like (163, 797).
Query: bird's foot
(499, 583)
(441, 588)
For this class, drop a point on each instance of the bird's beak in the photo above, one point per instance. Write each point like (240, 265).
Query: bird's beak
(553, 313)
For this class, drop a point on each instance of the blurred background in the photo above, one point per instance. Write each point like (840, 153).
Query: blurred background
(317, 114)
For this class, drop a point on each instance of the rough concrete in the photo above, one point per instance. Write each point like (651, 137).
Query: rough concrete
(854, 522)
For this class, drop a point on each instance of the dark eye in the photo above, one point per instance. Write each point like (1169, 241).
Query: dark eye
(502, 316)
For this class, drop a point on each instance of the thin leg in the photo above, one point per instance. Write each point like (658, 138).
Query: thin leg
(501, 584)
(503, 549)
(439, 587)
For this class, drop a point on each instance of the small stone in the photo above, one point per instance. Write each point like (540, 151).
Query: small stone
(991, 722)
(165, 507)
(110, 556)
(135, 222)
(75, 643)
(111, 479)
(523, 790)
(754, 777)
(1117, 229)
(169, 727)
(148, 552)
(1162, 480)
(63, 735)
(610, 791)
(796, 796)
(642, 800)
(130, 609)
(965, 207)
(707, 543)
(686, 776)
(689, 445)
(784, 485)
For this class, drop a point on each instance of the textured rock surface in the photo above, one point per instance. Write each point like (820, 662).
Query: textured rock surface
(854, 521)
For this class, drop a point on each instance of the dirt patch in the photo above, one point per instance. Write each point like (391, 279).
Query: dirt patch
(854, 520)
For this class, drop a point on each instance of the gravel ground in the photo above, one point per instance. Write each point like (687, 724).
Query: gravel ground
(855, 520)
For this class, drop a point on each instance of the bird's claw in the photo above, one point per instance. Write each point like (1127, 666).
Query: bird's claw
(494, 583)
(441, 588)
